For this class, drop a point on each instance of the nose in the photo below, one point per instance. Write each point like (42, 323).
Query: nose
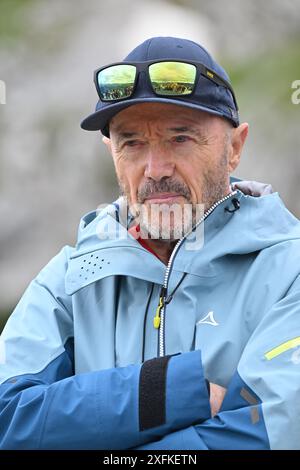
(159, 164)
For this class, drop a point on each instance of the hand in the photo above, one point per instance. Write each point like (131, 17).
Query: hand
(217, 394)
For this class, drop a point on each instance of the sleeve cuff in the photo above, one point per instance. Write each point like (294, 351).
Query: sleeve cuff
(173, 393)
(187, 400)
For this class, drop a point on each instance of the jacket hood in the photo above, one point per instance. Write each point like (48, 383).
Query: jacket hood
(260, 222)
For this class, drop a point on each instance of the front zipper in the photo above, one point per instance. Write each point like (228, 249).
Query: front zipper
(159, 319)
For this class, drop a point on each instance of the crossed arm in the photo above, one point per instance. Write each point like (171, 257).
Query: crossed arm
(162, 404)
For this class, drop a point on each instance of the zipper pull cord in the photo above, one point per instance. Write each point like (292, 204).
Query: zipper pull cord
(156, 319)
(163, 300)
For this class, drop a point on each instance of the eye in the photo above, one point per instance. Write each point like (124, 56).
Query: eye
(132, 143)
(181, 138)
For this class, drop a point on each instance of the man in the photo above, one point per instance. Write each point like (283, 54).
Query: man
(156, 332)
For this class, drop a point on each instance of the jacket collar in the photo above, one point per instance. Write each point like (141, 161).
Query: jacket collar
(105, 248)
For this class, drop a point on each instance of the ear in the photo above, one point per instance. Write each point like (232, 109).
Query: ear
(107, 142)
(238, 139)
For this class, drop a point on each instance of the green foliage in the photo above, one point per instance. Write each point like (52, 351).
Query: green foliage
(11, 25)
(267, 78)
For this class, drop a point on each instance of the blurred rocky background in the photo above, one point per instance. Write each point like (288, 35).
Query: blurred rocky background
(52, 172)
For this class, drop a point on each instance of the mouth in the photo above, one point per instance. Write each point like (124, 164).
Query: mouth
(160, 198)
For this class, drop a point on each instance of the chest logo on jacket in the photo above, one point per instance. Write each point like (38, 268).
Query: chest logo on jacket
(208, 319)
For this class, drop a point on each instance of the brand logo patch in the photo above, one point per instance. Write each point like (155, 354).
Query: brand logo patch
(208, 319)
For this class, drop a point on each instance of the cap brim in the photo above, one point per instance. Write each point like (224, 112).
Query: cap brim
(99, 119)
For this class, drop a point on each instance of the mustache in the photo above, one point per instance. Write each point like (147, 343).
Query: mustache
(165, 185)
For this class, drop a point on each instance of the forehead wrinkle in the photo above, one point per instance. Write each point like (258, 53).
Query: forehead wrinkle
(120, 128)
(127, 134)
(120, 136)
(183, 129)
(147, 129)
(156, 125)
(200, 133)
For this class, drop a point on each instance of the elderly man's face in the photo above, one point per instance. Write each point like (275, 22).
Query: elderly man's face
(173, 156)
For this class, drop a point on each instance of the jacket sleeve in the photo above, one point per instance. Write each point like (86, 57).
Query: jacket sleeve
(261, 408)
(43, 405)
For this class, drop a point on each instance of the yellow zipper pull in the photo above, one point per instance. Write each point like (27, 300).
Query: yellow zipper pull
(156, 322)
(156, 319)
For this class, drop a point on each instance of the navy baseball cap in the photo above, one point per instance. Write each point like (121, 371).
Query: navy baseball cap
(207, 96)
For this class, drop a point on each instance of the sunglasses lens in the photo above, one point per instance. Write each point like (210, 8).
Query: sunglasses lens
(172, 78)
(116, 82)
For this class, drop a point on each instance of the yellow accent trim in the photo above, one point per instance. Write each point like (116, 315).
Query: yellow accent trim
(292, 343)
(209, 74)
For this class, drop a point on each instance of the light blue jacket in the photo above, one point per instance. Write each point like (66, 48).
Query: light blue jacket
(79, 365)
